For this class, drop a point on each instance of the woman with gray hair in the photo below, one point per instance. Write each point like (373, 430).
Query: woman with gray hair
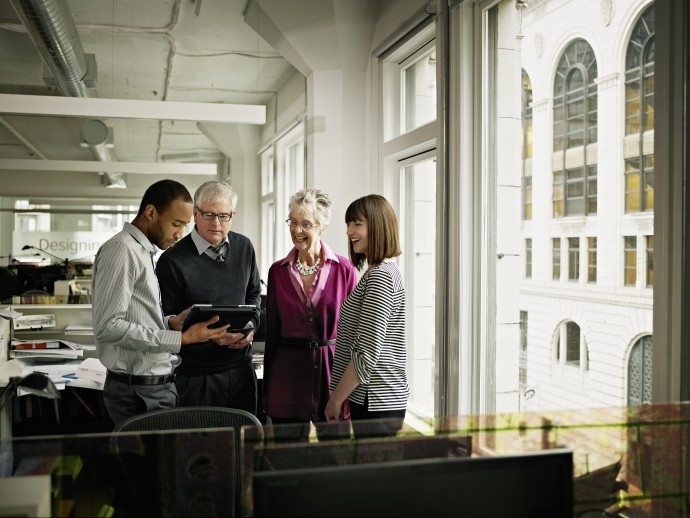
(305, 291)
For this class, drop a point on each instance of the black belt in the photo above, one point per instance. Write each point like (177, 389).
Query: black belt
(133, 379)
(304, 344)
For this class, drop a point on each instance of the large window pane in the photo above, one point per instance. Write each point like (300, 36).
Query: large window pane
(408, 120)
(418, 221)
(419, 90)
(590, 135)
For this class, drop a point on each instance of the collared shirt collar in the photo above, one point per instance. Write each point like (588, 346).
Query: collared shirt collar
(200, 243)
(140, 238)
(326, 253)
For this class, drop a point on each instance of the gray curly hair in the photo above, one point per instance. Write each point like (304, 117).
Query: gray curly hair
(314, 202)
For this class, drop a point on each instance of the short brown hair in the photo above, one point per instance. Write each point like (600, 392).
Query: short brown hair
(383, 240)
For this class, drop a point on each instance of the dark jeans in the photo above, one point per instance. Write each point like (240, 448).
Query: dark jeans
(385, 423)
(123, 400)
(235, 388)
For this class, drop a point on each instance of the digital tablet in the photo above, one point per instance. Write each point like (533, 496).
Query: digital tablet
(238, 316)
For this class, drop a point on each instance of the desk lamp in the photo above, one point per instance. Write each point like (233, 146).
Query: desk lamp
(60, 260)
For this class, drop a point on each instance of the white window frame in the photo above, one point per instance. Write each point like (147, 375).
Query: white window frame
(285, 155)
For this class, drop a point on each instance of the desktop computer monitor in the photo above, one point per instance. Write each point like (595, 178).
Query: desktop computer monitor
(531, 485)
(381, 449)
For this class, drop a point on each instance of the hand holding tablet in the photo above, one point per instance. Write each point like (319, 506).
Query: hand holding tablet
(239, 317)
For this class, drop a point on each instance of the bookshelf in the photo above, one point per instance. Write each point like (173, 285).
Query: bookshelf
(72, 322)
(81, 409)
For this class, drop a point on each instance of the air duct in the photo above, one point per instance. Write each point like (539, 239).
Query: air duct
(50, 26)
(54, 34)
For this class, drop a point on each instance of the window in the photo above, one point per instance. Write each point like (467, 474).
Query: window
(575, 106)
(640, 372)
(592, 259)
(556, 258)
(573, 258)
(282, 174)
(419, 89)
(268, 212)
(523, 349)
(418, 231)
(568, 344)
(408, 82)
(108, 218)
(650, 261)
(629, 261)
(526, 150)
(552, 197)
(528, 258)
(639, 116)
(31, 221)
(575, 132)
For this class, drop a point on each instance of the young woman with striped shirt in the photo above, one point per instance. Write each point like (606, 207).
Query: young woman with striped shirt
(370, 353)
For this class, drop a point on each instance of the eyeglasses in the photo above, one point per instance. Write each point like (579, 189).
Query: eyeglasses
(210, 216)
(304, 226)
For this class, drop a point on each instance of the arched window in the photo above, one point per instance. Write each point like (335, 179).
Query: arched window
(526, 146)
(570, 348)
(638, 145)
(575, 107)
(640, 372)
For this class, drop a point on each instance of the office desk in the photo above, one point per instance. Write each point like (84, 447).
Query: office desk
(79, 411)
(81, 408)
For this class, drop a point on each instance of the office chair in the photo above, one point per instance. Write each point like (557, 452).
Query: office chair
(200, 473)
(186, 418)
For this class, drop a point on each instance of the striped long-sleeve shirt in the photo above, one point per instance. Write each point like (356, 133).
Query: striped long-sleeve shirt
(371, 335)
(129, 329)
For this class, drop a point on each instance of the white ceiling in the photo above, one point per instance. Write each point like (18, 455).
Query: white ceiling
(153, 50)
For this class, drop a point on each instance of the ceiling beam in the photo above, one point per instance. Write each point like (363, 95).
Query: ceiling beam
(95, 166)
(131, 109)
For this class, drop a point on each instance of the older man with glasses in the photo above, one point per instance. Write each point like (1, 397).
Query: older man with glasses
(213, 265)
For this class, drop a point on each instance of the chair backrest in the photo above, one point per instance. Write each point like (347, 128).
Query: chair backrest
(185, 418)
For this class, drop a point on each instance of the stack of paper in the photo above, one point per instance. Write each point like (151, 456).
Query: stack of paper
(44, 349)
(35, 344)
(79, 329)
(90, 374)
(59, 372)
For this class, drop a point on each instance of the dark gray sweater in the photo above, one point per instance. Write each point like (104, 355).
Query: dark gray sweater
(188, 278)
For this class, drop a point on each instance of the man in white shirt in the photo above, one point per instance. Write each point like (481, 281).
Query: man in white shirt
(135, 341)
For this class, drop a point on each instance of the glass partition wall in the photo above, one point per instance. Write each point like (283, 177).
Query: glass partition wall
(624, 462)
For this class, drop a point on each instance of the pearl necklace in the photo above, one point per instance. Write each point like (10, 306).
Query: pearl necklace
(307, 270)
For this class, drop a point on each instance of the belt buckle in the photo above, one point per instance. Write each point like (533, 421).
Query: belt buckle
(314, 344)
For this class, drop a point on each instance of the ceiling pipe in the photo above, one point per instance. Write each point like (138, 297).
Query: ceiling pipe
(50, 26)
(96, 136)
(54, 34)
